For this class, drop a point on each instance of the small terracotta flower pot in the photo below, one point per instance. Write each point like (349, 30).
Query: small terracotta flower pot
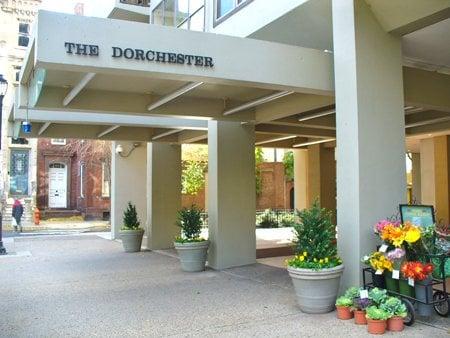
(344, 312)
(376, 326)
(360, 317)
(395, 324)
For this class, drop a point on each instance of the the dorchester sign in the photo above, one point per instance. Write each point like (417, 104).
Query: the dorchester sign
(141, 55)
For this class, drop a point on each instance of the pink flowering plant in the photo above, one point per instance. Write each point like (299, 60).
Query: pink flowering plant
(378, 228)
(397, 253)
(396, 256)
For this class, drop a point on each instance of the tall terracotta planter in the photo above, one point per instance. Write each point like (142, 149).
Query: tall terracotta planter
(395, 324)
(360, 317)
(344, 312)
(376, 326)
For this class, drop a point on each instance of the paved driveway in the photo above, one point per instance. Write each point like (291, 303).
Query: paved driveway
(85, 286)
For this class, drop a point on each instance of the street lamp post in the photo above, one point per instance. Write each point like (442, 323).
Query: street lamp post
(3, 89)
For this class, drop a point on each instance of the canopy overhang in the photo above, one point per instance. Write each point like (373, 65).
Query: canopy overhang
(115, 79)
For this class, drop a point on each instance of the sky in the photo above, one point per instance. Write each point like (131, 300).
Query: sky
(99, 8)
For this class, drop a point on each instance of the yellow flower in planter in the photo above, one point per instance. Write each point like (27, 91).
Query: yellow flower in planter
(412, 234)
(326, 259)
(305, 253)
(302, 258)
(321, 261)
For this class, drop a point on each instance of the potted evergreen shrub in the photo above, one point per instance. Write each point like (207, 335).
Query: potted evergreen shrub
(131, 234)
(191, 248)
(316, 268)
(376, 320)
(397, 309)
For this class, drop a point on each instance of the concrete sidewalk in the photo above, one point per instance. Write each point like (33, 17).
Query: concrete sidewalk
(64, 225)
(84, 286)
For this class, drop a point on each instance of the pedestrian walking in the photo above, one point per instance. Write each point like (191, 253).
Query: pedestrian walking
(17, 212)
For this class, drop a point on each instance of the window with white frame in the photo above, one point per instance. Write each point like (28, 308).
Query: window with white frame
(58, 141)
(82, 180)
(106, 179)
(224, 7)
(185, 14)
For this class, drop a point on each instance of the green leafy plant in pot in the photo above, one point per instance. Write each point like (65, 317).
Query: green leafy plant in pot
(376, 319)
(131, 233)
(316, 268)
(191, 247)
(344, 308)
(359, 309)
(397, 310)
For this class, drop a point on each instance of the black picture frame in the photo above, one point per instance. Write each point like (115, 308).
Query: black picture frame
(425, 214)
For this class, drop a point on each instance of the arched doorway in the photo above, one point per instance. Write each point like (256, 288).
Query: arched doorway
(57, 185)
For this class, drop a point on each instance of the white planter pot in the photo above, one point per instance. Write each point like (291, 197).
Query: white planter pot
(131, 239)
(316, 290)
(192, 255)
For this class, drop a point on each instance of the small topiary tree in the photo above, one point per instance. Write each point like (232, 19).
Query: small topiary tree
(315, 240)
(130, 218)
(190, 222)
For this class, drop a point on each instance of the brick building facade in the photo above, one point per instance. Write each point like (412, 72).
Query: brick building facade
(73, 178)
(276, 192)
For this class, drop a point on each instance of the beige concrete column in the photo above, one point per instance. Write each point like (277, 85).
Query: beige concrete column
(231, 194)
(322, 176)
(416, 181)
(435, 175)
(370, 127)
(128, 183)
(163, 194)
(301, 179)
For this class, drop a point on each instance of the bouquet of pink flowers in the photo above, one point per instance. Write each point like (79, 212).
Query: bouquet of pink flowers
(383, 223)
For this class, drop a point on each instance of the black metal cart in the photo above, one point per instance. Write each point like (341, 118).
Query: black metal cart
(441, 297)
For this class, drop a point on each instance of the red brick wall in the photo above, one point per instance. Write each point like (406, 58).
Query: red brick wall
(275, 191)
(197, 199)
(93, 205)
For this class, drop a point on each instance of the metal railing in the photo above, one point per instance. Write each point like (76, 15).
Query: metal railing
(269, 218)
(275, 218)
(143, 3)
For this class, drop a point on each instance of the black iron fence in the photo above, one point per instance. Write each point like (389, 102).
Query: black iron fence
(269, 218)
(275, 218)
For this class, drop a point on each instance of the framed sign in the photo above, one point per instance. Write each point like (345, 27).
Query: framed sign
(421, 215)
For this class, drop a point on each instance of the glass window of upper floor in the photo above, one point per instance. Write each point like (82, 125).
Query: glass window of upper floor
(225, 8)
(186, 14)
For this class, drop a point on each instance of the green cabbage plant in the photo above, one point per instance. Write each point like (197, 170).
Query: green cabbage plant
(344, 301)
(394, 306)
(375, 313)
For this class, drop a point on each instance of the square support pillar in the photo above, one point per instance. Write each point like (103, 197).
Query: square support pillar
(231, 194)
(435, 175)
(128, 184)
(370, 128)
(322, 176)
(164, 194)
(301, 179)
(416, 178)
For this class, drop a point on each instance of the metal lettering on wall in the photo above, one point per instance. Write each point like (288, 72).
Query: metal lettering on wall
(142, 55)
